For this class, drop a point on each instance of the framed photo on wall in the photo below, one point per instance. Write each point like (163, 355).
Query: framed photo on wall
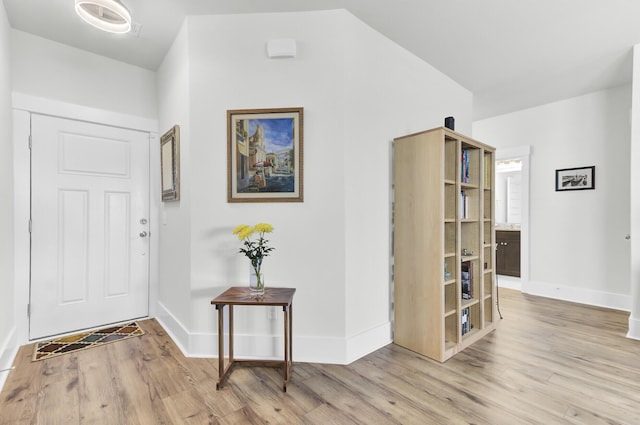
(265, 155)
(580, 178)
(170, 164)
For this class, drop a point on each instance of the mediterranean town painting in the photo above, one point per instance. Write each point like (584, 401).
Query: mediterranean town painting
(265, 155)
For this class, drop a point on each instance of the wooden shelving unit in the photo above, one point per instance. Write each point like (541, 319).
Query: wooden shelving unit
(443, 227)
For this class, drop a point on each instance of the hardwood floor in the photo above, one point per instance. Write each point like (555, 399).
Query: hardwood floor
(549, 362)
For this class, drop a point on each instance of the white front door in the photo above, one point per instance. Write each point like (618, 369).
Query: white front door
(89, 233)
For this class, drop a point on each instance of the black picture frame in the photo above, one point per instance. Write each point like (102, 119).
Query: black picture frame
(579, 178)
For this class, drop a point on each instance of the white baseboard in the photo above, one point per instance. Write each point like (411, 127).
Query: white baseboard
(578, 295)
(330, 350)
(634, 328)
(368, 341)
(8, 351)
(509, 282)
(173, 327)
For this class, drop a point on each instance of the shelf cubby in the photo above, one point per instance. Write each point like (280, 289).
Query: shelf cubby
(488, 310)
(450, 198)
(473, 153)
(451, 267)
(473, 318)
(450, 299)
(488, 213)
(487, 265)
(470, 237)
(450, 331)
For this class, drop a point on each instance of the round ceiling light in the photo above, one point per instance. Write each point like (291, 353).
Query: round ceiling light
(107, 15)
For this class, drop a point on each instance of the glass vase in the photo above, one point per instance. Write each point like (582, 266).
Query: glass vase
(256, 283)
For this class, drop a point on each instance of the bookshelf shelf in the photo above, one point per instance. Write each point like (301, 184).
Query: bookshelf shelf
(444, 186)
(470, 334)
(469, 303)
(469, 186)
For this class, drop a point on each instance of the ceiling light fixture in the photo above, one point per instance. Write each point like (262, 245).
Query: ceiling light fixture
(107, 15)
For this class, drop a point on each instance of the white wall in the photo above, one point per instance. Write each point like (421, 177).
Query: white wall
(388, 93)
(51, 70)
(634, 318)
(7, 320)
(578, 248)
(175, 217)
(358, 91)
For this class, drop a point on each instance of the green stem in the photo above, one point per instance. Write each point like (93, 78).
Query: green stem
(259, 283)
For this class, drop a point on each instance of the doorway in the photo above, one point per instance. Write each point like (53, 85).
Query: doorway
(89, 225)
(512, 215)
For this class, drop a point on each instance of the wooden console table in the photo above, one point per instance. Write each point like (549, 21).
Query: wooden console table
(239, 295)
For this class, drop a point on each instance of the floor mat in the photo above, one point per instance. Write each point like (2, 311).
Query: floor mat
(84, 340)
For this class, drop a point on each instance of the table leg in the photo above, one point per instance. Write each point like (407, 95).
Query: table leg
(220, 309)
(230, 334)
(291, 336)
(224, 372)
(285, 366)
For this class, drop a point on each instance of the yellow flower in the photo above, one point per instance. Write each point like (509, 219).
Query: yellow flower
(245, 232)
(264, 228)
(255, 250)
(240, 228)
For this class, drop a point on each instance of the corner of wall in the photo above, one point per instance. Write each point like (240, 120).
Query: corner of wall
(368, 341)
(176, 330)
(634, 329)
(8, 350)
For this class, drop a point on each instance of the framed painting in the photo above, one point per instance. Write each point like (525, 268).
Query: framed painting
(170, 164)
(265, 155)
(576, 178)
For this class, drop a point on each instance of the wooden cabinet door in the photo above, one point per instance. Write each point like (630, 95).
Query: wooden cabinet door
(508, 253)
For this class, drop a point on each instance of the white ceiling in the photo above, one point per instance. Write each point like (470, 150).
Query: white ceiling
(511, 54)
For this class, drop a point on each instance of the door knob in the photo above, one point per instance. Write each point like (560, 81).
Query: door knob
(627, 237)
(143, 234)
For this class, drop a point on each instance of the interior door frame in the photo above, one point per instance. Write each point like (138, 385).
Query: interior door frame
(23, 107)
(522, 153)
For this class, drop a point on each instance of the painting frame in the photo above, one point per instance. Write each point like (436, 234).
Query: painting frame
(578, 178)
(170, 164)
(265, 155)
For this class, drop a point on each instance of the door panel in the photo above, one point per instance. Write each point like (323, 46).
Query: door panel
(90, 192)
(508, 253)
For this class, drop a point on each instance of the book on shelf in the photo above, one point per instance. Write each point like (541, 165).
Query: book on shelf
(466, 279)
(487, 171)
(464, 205)
(464, 166)
(464, 320)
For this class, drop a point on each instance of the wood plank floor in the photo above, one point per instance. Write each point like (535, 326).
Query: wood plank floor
(549, 362)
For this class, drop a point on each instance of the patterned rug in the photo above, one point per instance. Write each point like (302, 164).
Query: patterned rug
(84, 340)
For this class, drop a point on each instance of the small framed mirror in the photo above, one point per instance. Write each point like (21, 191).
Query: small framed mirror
(170, 164)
